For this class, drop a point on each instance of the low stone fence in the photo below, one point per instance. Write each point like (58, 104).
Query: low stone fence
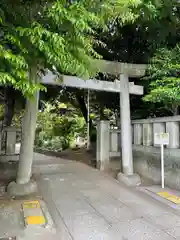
(146, 154)
(144, 130)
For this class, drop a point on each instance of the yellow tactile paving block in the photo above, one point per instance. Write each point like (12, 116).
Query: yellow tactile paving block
(35, 220)
(170, 197)
(31, 204)
(33, 214)
(163, 194)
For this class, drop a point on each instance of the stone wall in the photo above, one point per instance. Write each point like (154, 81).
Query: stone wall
(146, 154)
(147, 164)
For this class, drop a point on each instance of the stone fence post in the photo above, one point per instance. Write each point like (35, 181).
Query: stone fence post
(138, 134)
(147, 134)
(103, 145)
(114, 140)
(173, 129)
(10, 140)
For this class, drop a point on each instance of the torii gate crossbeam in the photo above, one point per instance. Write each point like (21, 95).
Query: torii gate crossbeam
(92, 84)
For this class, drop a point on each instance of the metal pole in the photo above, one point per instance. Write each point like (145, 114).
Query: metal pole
(162, 165)
(88, 129)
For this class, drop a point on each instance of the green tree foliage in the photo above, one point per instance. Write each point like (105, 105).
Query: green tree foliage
(56, 35)
(58, 132)
(165, 76)
(136, 42)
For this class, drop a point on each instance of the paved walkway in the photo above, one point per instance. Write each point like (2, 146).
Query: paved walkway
(88, 205)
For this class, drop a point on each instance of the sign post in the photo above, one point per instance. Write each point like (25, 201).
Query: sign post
(161, 139)
(88, 122)
(162, 165)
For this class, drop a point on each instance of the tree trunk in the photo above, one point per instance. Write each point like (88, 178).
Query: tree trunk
(101, 112)
(82, 105)
(28, 135)
(9, 106)
(176, 111)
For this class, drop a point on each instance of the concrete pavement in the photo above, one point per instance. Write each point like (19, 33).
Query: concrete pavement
(86, 204)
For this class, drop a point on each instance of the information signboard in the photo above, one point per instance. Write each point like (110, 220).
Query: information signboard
(161, 138)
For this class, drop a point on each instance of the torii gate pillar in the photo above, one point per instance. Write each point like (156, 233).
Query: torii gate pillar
(128, 175)
(126, 135)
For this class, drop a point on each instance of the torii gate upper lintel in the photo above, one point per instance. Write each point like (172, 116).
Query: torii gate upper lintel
(117, 68)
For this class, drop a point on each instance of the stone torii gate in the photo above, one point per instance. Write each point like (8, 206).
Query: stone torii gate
(23, 185)
(125, 88)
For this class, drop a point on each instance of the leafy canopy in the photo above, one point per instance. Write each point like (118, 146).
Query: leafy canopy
(165, 75)
(156, 26)
(58, 35)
